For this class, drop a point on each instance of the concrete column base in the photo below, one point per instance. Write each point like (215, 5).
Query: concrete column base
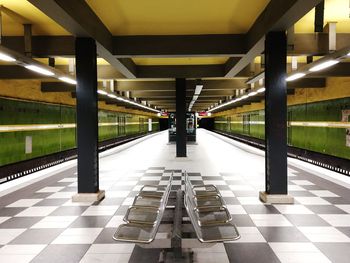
(275, 199)
(88, 197)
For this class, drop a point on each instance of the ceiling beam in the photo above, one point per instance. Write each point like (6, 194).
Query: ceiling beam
(277, 16)
(181, 71)
(172, 98)
(141, 88)
(218, 84)
(316, 44)
(248, 101)
(338, 70)
(57, 87)
(258, 98)
(81, 21)
(179, 45)
(17, 72)
(316, 82)
(145, 86)
(43, 46)
(108, 72)
(305, 44)
(204, 93)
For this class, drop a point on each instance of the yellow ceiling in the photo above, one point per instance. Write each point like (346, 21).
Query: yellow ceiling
(165, 17)
(150, 17)
(180, 61)
(335, 11)
(42, 25)
(300, 59)
(65, 61)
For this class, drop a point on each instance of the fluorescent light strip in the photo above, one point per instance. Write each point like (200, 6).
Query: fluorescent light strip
(261, 90)
(132, 102)
(112, 96)
(251, 94)
(39, 70)
(68, 80)
(6, 58)
(47, 72)
(295, 76)
(121, 99)
(102, 92)
(324, 65)
(198, 89)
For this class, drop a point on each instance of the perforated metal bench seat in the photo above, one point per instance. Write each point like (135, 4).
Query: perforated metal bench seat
(212, 215)
(154, 191)
(135, 233)
(205, 190)
(212, 200)
(218, 233)
(208, 213)
(144, 216)
(145, 201)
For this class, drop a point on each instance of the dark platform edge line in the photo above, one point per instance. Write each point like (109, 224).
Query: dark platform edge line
(16, 170)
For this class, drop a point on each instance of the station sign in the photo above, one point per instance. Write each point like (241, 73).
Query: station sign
(204, 114)
(163, 114)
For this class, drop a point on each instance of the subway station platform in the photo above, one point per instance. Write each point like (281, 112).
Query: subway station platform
(40, 223)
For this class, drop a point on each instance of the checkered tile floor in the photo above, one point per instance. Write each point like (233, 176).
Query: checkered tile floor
(41, 224)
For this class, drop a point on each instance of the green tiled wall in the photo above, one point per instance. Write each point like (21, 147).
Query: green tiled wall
(15, 112)
(320, 139)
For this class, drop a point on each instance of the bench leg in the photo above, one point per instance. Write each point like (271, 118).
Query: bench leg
(176, 243)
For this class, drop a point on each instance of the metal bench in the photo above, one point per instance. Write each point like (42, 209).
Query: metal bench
(204, 195)
(208, 213)
(145, 215)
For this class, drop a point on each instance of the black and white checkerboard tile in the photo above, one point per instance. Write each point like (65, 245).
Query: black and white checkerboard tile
(40, 223)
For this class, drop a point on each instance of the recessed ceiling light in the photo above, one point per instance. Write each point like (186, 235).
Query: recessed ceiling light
(39, 70)
(324, 65)
(6, 58)
(295, 76)
(68, 80)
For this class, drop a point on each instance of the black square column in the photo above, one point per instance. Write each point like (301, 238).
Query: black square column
(276, 115)
(181, 134)
(87, 115)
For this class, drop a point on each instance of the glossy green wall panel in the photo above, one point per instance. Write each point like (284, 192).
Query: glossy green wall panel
(111, 131)
(320, 139)
(15, 112)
